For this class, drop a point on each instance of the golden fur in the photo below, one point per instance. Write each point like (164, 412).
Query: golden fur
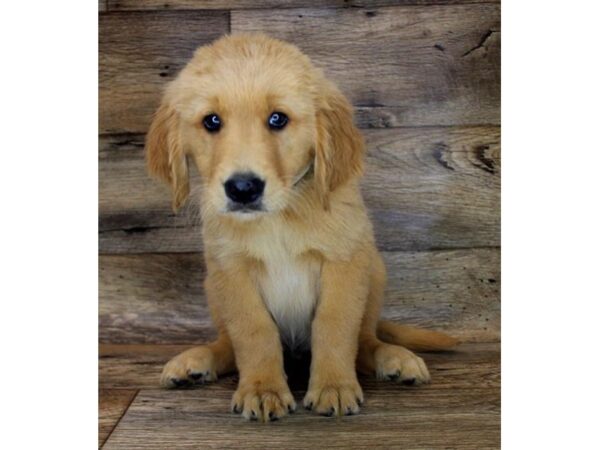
(306, 270)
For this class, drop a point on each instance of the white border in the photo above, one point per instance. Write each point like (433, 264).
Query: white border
(550, 224)
(49, 189)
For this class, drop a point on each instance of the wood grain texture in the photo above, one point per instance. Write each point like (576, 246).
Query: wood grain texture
(400, 66)
(153, 299)
(138, 366)
(158, 298)
(266, 4)
(425, 82)
(139, 52)
(425, 188)
(459, 409)
(429, 65)
(112, 404)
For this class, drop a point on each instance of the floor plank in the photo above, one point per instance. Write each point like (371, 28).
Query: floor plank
(139, 366)
(425, 188)
(158, 298)
(159, 420)
(459, 409)
(112, 404)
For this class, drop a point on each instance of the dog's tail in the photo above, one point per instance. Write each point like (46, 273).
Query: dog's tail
(416, 339)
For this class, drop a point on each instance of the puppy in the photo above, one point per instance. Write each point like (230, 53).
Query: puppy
(290, 253)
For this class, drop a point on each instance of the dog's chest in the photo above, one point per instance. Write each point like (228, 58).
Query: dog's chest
(289, 286)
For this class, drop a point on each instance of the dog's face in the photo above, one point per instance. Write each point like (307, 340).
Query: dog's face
(257, 118)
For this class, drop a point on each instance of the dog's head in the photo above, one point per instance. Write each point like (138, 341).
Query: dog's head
(262, 125)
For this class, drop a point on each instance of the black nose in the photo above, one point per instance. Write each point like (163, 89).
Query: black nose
(244, 188)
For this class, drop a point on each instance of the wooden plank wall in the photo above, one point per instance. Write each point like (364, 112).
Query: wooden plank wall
(424, 77)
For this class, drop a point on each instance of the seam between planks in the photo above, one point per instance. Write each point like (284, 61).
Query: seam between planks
(105, 348)
(134, 396)
(166, 11)
(291, 7)
(382, 250)
(104, 135)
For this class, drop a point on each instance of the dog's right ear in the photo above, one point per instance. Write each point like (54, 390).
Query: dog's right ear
(165, 156)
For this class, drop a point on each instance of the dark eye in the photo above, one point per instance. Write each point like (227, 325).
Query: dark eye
(212, 123)
(277, 121)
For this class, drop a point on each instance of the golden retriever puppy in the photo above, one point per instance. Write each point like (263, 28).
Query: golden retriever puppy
(290, 254)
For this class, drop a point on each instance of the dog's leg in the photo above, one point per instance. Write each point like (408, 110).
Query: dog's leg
(202, 364)
(385, 360)
(199, 364)
(333, 387)
(262, 393)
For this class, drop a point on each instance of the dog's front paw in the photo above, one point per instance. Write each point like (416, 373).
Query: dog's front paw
(397, 363)
(194, 366)
(264, 400)
(341, 397)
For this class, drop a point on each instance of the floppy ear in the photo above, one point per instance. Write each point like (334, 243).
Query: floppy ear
(340, 146)
(164, 153)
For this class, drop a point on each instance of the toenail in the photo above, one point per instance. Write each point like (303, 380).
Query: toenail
(330, 412)
(409, 381)
(179, 382)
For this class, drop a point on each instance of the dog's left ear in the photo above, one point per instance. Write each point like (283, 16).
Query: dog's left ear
(340, 147)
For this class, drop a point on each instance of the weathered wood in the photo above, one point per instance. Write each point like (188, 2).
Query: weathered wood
(457, 291)
(426, 188)
(158, 298)
(139, 367)
(434, 188)
(459, 409)
(429, 65)
(279, 4)
(112, 404)
(134, 366)
(102, 5)
(400, 66)
(139, 52)
(153, 298)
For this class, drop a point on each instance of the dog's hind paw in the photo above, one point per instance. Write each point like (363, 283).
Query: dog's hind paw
(399, 364)
(194, 366)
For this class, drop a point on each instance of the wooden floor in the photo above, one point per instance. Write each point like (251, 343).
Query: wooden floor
(459, 409)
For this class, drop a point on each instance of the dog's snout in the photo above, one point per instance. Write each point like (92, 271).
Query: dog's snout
(244, 188)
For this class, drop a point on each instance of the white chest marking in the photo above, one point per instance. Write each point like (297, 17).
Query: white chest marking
(289, 287)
